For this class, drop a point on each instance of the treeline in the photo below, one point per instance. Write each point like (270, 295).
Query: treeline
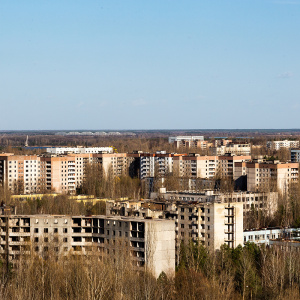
(248, 272)
(242, 273)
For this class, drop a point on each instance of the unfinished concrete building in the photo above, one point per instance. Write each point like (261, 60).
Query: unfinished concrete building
(212, 224)
(150, 242)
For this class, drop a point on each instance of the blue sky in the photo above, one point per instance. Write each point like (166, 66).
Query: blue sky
(202, 64)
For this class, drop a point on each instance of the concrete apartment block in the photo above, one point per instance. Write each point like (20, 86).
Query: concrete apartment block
(235, 149)
(196, 166)
(267, 202)
(277, 145)
(149, 243)
(212, 224)
(262, 176)
(25, 174)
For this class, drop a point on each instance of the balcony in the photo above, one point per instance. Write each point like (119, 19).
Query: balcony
(229, 221)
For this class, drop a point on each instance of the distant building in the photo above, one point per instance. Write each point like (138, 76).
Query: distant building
(277, 145)
(230, 148)
(79, 150)
(196, 166)
(25, 174)
(266, 175)
(189, 142)
(295, 155)
(21, 173)
(157, 164)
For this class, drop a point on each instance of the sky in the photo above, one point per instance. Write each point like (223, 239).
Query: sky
(132, 64)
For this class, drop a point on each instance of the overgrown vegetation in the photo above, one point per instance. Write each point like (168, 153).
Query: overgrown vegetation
(242, 273)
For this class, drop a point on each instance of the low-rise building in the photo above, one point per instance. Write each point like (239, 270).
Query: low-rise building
(286, 244)
(265, 235)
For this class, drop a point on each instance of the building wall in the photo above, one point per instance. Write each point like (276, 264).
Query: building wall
(160, 247)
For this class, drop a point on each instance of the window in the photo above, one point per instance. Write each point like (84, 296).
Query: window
(65, 240)
(36, 230)
(182, 217)
(182, 225)
(36, 239)
(65, 230)
(55, 230)
(45, 230)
